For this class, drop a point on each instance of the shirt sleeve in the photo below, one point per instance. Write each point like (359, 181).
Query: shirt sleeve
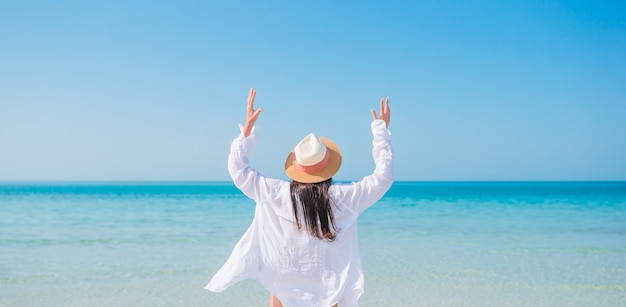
(363, 194)
(245, 178)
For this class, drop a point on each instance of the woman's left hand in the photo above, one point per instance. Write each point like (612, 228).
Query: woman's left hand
(385, 113)
(251, 115)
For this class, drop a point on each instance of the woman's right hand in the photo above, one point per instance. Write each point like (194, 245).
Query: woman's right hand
(385, 114)
(251, 114)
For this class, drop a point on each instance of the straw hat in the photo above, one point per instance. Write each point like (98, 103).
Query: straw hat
(314, 159)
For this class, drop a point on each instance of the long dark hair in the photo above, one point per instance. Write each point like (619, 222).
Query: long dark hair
(314, 201)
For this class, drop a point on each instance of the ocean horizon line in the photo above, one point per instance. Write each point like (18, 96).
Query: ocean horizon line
(213, 182)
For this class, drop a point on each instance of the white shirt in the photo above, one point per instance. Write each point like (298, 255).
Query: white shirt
(299, 269)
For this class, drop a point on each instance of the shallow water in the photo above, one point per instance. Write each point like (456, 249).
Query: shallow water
(423, 244)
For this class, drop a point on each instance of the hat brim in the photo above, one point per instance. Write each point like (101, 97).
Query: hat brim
(331, 168)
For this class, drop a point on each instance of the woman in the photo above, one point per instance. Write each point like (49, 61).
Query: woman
(302, 244)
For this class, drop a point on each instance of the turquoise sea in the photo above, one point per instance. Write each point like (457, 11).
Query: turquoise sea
(423, 244)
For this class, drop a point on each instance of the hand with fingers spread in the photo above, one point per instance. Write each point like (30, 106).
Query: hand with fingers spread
(251, 115)
(385, 114)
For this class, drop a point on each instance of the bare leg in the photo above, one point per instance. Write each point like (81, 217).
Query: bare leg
(274, 302)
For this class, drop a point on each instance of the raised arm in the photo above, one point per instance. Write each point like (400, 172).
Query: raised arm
(247, 179)
(366, 192)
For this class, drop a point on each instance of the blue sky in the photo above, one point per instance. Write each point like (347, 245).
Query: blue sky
(154, 90)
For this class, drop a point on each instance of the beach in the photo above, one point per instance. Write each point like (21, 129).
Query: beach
(423, 244)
